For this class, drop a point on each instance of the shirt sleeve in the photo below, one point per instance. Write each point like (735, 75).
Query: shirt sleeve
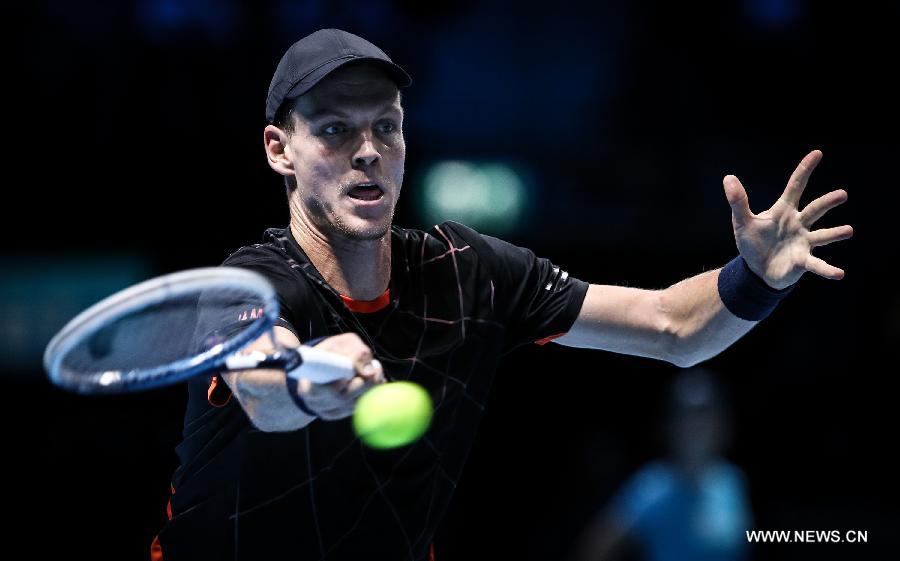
(277, 271)
(216, 324)
(536, 299)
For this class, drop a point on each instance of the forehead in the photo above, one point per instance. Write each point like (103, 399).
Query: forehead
(355, 86)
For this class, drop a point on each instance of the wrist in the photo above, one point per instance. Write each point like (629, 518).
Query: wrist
(746, 294)
(293, 386)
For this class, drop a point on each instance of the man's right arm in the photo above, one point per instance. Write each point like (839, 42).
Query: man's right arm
(264, 396)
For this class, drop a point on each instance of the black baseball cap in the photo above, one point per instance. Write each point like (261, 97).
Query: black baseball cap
(312, 58)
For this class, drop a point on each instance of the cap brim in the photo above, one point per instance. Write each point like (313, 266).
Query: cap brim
(394, 72)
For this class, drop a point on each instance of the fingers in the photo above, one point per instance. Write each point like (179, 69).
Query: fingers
(345, 343)
(367, 370)
(362, 359)
(737, 199)
(337, 400)
(356, 388)
(370, 375)
(826, 236)
(373, 372)
(351, 347)
(797, 182)
(817, 209)
(823, 269)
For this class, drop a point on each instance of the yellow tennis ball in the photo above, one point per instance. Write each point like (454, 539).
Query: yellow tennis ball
(392, 415)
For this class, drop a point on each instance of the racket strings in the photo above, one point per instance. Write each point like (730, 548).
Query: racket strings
(156, 338)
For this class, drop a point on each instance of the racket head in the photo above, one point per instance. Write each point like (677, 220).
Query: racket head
(161, 331)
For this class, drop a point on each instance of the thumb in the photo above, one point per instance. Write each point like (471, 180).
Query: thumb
(372, 370)
(737, 199)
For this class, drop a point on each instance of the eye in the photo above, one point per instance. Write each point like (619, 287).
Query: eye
(334, 130)
(386, 127)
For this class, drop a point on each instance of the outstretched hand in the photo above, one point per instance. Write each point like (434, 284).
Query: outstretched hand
(777, 244)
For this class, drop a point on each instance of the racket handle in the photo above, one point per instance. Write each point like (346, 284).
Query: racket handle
(316, 365)
(320, 366)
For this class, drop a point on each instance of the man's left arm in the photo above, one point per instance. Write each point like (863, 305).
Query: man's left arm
(699, 317)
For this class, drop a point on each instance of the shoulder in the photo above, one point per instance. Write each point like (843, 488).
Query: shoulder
(276, 261)
(651, 482)
(272, 250)
(498, 257)
(439, 241)
(460, 238)
(454, 232)
(655, 472)
(724, 473)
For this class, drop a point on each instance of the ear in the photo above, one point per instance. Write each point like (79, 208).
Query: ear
(276, 145)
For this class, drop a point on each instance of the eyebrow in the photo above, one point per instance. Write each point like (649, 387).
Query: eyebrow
(334, 111)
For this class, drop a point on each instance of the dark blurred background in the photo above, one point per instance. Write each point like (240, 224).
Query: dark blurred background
(134, 143)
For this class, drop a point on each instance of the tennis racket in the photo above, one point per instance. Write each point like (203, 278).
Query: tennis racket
(171, 328)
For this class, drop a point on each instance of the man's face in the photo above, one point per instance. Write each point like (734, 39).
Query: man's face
(348, 153)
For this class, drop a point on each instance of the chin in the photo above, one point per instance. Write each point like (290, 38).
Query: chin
(367, 235)
(364, 230)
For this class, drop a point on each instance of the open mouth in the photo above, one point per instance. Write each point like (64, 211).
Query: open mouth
(366, 192)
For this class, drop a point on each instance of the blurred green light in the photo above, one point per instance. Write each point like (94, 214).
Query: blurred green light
(486, 196)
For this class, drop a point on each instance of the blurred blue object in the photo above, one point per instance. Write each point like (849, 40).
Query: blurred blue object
(675, 517)
(373, 19)
(299, 17)
(538, 78)
(161, 19)
(774, 14)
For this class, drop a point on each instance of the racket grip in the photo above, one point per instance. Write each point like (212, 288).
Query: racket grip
(321, 367)
(316, 365)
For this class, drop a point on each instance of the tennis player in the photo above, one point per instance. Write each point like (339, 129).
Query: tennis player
(270, 469)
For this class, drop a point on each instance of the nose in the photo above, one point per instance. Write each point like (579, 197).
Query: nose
(366, 155)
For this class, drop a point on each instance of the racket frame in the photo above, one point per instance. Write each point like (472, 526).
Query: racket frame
(152, 292)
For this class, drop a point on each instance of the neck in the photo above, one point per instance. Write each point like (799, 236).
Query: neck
(360, 269)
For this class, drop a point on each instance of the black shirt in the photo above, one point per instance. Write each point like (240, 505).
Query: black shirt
(456, 303)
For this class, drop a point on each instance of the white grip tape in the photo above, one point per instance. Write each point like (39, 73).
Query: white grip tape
(244, 361)
(322, 367)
